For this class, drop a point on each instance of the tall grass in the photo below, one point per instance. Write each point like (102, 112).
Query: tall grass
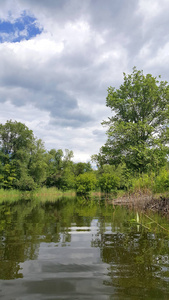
(10, 195)
(51, 194)
(143, 183)
(41, 194)
(151, 182)
(161, 182)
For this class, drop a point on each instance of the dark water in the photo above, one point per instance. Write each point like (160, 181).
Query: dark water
(78, 249)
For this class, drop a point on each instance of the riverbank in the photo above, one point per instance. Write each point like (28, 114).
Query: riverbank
(42, 194)
(157, 203)
(142, 200)
(160, 205)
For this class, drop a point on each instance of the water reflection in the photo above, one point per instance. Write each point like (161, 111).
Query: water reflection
(78, 249)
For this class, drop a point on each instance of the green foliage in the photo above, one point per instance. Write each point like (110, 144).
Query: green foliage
(7, 176)
(54, 163)
(67, 180)
(161, 183)
(85, 182)
(37, 165)
(111, 178)
(143, 183)
(150, 182)
(60, 169)
(25, 183)
(109, 182)
(10, 195)
(17, 143)
(138, 130)
(15, 136)
(81, 168)
(25, 164)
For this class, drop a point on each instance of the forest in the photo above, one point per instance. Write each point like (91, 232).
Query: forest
(134, 157)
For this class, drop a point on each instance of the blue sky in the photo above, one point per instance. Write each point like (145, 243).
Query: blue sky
(24, 27)
(58, 57)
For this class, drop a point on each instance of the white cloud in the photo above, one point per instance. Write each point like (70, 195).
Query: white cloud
(161, 59)
(150, 8)
(42, 48)
(10, 10)
(56, 83)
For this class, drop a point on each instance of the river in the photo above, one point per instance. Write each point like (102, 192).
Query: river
(81, 249)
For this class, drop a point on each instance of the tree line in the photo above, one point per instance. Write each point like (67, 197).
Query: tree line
(135, 153)
(25, 164)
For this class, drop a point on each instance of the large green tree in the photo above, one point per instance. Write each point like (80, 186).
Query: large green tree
(60, 169)
(138, 129)
(22, 157)
(16, 145)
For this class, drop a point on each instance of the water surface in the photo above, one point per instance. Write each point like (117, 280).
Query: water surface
(80, 249)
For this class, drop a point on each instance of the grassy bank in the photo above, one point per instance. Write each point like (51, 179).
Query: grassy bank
(42, 194)
(51, 194)
(10, 195)
(141, 196)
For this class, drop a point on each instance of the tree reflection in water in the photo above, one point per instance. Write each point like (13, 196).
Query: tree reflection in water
(137, 262)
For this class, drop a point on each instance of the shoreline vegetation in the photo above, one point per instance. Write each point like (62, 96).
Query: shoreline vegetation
(139, 200)
(42, 194)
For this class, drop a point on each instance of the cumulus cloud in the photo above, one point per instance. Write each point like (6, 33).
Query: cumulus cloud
(55, 79)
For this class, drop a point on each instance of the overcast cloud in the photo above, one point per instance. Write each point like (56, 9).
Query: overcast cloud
(58, 57)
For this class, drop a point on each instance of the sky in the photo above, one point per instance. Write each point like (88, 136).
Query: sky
(58, 58)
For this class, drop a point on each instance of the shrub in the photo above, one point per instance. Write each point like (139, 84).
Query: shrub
(161, 183)
(109, 182)
(142, 183)
(85, 183)
(26, 183)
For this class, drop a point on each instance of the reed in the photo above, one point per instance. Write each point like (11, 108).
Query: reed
(10, 196)
(51, 194)
(42, 194)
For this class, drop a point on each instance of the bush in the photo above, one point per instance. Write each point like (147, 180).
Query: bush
(109, 182)
(85, 183)
(26, 183)
(161, 183)
(143, 183)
